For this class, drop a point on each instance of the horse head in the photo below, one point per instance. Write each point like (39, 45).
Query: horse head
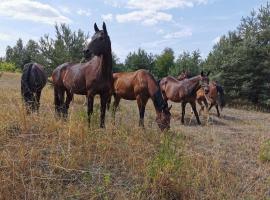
(164, 118)
(204, 82)
(100, 43)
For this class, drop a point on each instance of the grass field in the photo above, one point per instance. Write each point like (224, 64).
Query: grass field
(45, 158)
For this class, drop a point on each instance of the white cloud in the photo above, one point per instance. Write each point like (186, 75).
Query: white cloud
(82, 12)
(179, 34)
(115, 3)
(107, 17)
(216, 40)
(65, 9)
(146, 16)
(32, 11)
(151, 12)
(160, 32)
(5, 37)
(162, 5)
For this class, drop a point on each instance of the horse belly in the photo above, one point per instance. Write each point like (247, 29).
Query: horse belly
(75, 84)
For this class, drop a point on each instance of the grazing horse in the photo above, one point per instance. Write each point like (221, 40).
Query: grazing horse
(184, 91)
(90, 78)
(141, 85)
(33, 81)
(215, 96)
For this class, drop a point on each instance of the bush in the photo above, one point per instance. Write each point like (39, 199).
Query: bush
(8, 67)
(264, 154)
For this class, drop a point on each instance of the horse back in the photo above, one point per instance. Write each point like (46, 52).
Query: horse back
(34, 77)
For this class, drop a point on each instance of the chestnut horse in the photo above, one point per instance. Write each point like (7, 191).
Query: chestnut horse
(90, 78)
(184, 91)
(215, 96)
(141, 85)
(33, 81)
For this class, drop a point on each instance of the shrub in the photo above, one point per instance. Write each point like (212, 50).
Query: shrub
(8, 67)
(264, 154)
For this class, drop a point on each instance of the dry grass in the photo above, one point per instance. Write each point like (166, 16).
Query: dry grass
(45, 158)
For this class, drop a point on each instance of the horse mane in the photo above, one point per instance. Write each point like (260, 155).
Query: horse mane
(194, 90)
(158, 100)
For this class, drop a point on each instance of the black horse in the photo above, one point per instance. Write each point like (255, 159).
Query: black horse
(33, 80)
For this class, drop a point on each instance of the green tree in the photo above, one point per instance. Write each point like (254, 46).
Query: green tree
(241, 59)
(186, 61)
(164, 63)
(139, 60)
(67, 47)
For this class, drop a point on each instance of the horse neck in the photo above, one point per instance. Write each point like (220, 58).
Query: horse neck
(107, 65)
(193, 84)
(156, 96)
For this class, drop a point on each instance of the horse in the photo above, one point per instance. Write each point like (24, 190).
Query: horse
(93, 77)
(141, 86)
(215, 96)
(184, 91)
(33, 80)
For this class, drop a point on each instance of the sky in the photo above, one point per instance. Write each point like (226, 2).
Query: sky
(183, 25)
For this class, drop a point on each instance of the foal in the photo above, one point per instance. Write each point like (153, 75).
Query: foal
(184, 91)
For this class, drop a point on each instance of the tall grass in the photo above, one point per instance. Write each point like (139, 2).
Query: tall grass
(42, 157)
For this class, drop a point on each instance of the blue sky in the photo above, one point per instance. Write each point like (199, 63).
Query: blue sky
(149, 24)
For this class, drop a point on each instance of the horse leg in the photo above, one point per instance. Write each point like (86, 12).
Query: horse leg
(90, 104)
(201, 106)
(193, 105)
(183, 112)
(103, 103)
(210, 107)
(115, 106)
(218, 114)
(37, 100)
(69, 98)
(141, 105)
(59, 100)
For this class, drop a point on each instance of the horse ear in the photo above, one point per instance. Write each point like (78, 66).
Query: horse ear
(104, 28)
(96, 27)
(208, 73)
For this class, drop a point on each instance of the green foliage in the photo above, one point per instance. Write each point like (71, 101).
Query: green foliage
(67, 47)
(164, 63)
(8, 67)
(264, 153)
(241, 59)
(139, 60)
(167, 159)
(186, 61)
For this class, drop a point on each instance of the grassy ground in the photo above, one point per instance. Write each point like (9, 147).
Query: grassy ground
(45, 158)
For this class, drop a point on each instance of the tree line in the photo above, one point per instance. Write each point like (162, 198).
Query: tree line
(240, 61)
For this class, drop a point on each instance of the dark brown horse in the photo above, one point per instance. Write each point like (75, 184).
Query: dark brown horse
(33, 81)
(90, 78)
(184, 91)
(141, 85)
(215, 96)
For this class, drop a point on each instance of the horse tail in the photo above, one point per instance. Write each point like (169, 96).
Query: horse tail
(221, 97)
(25, 82)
